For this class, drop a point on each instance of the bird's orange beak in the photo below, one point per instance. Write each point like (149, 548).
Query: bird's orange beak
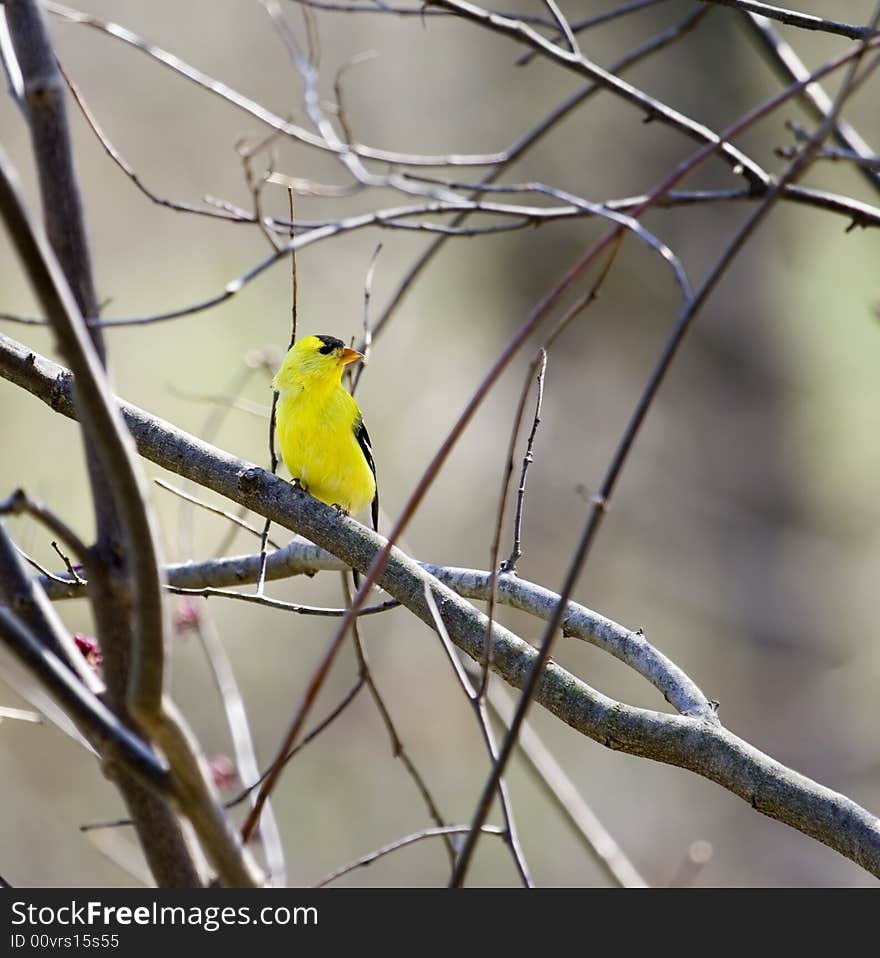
(350, 356)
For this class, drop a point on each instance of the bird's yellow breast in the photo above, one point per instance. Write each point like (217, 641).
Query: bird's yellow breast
(316, 437)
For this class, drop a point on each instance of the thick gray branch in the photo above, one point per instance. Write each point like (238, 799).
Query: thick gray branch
(44, 93)
(120, 509)
(97, 407)
(698, 744)
(301, 557)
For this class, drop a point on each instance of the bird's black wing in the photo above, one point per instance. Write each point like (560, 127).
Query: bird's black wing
(363, 438)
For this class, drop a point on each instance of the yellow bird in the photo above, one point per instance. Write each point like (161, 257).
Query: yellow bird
(320, 430)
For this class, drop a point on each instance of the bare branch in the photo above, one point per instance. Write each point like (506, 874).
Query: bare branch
(565, 29)
(418, 10)
(630, 646)
(371, 857)
(391, 218)
(97, 409)
(19, 715)
(20, 502)
(795, 18)
(253, 109)
(563, 793)
(859, 213)
(652, 107)
(235, 520)
(28, 600)
(528, 457)
(62, 206)
(130, 172)
(695, 743)
(600, 506)
(242, 740)
(111, 738)
(207, 592)
(398, 749)
(477, 702)
(792, 69)
(624, 9)
(322, 726)
(112, 445)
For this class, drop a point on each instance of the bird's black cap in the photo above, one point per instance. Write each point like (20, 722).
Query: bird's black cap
(330, 343)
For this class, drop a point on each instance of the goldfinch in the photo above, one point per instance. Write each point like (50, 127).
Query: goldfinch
(319, 427)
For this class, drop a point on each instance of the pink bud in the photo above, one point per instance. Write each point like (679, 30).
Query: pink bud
(188, 616)
(224, 773)
(90, 649)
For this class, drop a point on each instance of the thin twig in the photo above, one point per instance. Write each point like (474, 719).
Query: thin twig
(477, 702)
(570, 314)
(525, 143)
(795, 18)
(339, 91)
(242, 740)
(45, 573)
(253, 109)
(398, 749)
(208, 592)
(129, 170)
(20, 502)
(834, 154)
(273, 412)
(71, 570)
(509, 565)
(322, 726)
(256, 183)
(495, 549)
(652, 107)
(366, 344)
(202, 504)
(441, 832)
(791, 68)
(565, 30)
(553, 778)
(624, 9)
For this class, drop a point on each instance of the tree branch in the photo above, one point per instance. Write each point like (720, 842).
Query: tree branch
(161, 836)
(789, 66)
(112, 740)
(795, 18)
(698, 744)
(112, 445)
(652, 107)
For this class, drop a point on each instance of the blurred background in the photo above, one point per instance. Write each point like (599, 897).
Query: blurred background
(744, 537)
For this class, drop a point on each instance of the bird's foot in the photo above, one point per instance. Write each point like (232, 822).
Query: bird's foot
(340, 510)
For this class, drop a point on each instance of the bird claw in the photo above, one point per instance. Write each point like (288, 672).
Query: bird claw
(340, 510)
